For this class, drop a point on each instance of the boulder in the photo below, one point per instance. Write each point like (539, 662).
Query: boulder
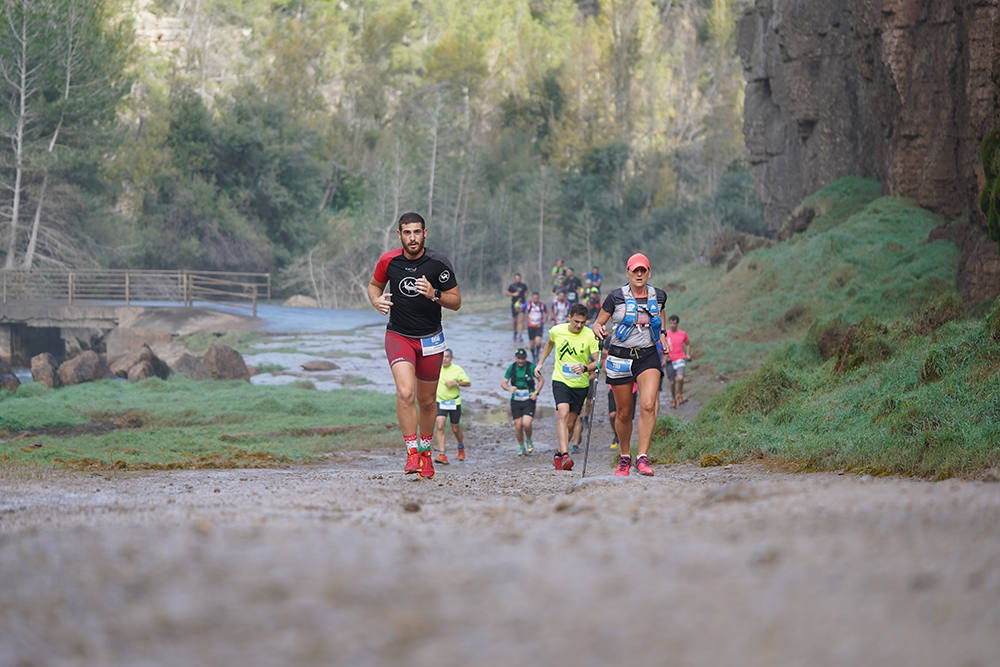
(319, 365)
(140, 371)
(192, 367)
(85, 367)
(8, 378)
(300, 301)
(222, 362)
(123, 365)
(45, 370)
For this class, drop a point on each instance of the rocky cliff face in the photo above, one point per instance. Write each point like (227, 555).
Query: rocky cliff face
(898, 90)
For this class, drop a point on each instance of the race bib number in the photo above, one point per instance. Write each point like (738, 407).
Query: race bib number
(678, 365)
(448, 405)
(569, 373)
(521, 394)
(618, 367)
(432, 344)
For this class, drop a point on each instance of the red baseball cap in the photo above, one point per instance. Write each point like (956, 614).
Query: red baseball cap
(637, 260)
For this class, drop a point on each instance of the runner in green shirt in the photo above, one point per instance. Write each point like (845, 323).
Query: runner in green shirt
(450, 404)
(577, 351)
(523, 386)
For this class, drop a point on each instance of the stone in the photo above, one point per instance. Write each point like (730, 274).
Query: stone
(319, 365)
(222, 362)
(192, 367)
(8, 378)
(300, 301)
(123, 365)
(85, 367)
(140, 371)
(45, 370)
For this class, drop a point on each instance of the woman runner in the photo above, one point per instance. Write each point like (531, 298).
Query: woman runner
(632, 317)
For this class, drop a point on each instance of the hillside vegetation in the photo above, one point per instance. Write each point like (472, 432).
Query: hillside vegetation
(851, 349)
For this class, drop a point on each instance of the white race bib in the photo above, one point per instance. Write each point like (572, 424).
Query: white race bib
(432, 344)
(569, 373)
(521, 394)
(617, 367)
(448, 405)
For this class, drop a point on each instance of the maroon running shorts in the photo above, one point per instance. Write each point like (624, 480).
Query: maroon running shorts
(403, 348)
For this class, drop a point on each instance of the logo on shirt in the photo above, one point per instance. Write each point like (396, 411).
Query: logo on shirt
(443, 278)
(408, 286)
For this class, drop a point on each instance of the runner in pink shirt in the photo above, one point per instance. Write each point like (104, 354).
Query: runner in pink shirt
(678, 352)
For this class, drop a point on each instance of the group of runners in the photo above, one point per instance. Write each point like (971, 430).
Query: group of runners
(624, 335)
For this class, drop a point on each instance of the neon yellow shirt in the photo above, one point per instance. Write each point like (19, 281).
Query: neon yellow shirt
(450, 373)
(569, 349)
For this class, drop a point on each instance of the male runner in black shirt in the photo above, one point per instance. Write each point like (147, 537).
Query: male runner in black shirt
(420, 283)
(517, 291)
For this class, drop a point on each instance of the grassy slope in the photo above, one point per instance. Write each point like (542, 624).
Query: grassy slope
(898, 402)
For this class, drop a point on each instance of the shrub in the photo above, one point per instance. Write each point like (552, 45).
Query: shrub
(864, 342)
(762, 392)
(944, 308)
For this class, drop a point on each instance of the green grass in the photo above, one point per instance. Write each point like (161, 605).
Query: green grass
(863, 256)
(187, 423)
(850, 349)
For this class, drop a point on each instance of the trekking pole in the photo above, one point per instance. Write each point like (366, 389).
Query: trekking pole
(593, 397)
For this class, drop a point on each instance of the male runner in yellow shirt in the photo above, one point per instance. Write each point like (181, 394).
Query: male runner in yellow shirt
(577, 353)
(450, 404)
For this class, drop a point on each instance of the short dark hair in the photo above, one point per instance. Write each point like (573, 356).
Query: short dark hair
(674, 318)
(448, 350)
(578, 309)
(407, 218)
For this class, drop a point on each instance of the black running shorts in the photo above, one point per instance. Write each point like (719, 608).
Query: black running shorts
(519, 409)
(455, 415)
(575, 396)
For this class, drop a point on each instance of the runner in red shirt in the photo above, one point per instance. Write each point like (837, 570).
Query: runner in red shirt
(420, 282)
(678, 352)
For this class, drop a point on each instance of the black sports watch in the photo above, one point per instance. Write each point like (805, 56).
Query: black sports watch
(437, 295)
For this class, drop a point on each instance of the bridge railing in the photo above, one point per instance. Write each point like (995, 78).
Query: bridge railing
(127, 285)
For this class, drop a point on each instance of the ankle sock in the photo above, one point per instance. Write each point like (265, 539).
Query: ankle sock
(410, 441)
(425, 444)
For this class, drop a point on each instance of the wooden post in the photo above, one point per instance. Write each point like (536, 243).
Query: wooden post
(70, 287)
(128, 291)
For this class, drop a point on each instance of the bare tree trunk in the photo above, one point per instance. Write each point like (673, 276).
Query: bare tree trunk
(21, 85)
(434, 147)
(541, 234)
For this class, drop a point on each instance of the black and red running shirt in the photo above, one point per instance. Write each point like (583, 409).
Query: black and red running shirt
(412, 314)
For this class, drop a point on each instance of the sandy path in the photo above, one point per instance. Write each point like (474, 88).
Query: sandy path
(499, 560)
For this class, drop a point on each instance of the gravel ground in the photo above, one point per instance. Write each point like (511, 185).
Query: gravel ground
(499, 560)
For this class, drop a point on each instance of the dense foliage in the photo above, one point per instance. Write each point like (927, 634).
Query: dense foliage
(289, 135)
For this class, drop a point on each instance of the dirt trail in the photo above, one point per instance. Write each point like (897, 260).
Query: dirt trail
(499, 560)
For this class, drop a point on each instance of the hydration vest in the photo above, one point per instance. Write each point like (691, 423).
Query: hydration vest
(627, 324)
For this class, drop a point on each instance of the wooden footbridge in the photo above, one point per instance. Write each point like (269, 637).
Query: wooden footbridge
(37, 307)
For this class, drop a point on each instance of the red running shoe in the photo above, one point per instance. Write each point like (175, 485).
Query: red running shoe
(642, 465)
(567, 463)
(426, 465)
(412, 461)
(557, 460)
(461, 453)
(624, 463)
(442, 458)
